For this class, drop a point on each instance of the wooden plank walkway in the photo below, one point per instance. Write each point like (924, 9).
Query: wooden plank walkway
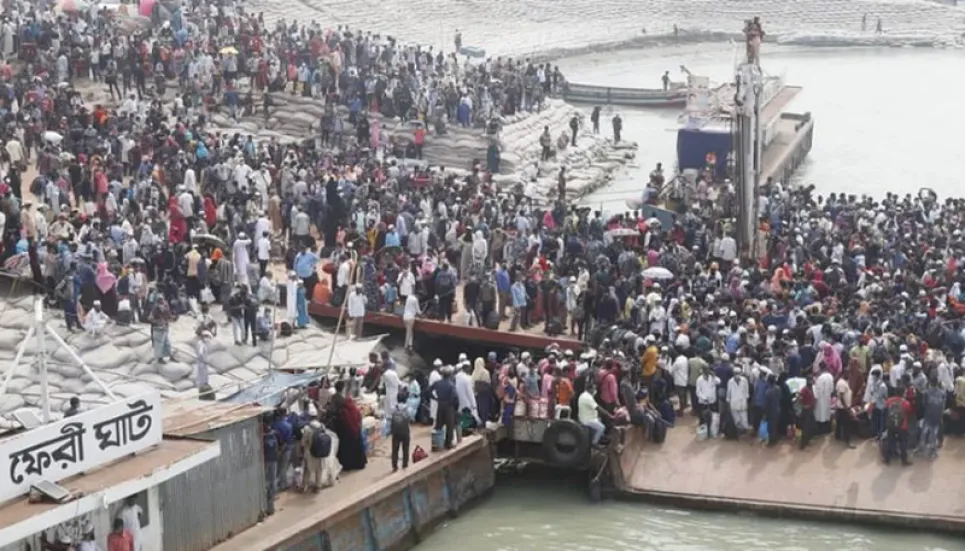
(531, 338)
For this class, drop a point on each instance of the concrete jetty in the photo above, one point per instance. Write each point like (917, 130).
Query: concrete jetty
(826, 481)
(375, 509)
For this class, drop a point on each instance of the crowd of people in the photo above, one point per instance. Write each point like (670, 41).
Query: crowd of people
(125, 204)
(849, 321)
(137, 210)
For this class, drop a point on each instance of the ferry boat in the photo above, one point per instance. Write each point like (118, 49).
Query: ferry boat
(707, 129)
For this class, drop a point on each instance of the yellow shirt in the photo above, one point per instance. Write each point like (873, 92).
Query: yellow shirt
(960, 391)
(194, 257)
(649, 361)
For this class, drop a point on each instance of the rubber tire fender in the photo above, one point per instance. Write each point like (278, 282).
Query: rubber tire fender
(573, 436)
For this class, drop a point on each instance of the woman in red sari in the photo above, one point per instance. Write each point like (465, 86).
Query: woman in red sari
(179, 226)
(346, 420)
(210, 211)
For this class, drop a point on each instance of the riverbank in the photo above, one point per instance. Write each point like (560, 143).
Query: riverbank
(590, 164)
(826, 481)
(527, 28)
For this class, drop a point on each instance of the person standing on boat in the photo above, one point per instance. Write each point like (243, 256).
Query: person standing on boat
(617, 127)
(666, 80)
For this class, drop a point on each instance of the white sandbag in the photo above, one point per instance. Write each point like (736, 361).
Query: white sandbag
(175, 371)
(10, 402)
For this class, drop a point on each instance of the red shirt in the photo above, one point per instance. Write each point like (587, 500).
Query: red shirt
(120, 542)
(905, 408)
(806, 396)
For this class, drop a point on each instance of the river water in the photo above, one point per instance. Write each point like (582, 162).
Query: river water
(883, 117)
(885, 122)
(535, 512)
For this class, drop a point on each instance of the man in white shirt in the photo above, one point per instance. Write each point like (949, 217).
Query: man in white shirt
(465, 393)
(131, 514)
(738, 392)
(410, 311)
(679, 370)
(406, 284)
(263, 252)
(706, 390)
(186, 202)
(589, 414)
(356, 312)
(728, 249)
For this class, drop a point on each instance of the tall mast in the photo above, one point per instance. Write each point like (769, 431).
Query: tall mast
(748, 141)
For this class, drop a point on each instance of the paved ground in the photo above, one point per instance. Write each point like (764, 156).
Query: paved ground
(526, 27)
(827, 475)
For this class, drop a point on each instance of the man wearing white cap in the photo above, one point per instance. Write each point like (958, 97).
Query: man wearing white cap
(737, 395)
(356, 312)
(239, 250)
(96, 320)
(201, 367)
(434, 376)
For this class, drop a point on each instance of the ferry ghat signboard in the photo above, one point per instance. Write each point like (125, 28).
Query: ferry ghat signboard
(78, 444)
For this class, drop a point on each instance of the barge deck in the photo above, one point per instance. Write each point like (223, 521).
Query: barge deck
(826, 481)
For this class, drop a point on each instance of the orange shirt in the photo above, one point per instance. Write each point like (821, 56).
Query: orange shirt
(420, 136)
(120, 542)
(564, 391)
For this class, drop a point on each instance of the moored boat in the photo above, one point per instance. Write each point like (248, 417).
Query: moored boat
(675, 96)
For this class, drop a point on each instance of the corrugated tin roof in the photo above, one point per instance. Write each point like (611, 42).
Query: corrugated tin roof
(191, 417)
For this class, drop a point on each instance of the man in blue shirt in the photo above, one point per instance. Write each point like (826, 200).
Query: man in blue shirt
(231, 100)
(306, 267)
(503, 285)
(520, 300)
(444, 393)
(392, 238)
(286, 439)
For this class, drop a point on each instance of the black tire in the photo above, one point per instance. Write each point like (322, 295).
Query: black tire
(566, 443)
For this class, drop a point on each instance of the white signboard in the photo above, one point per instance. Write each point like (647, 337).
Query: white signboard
(77, 444)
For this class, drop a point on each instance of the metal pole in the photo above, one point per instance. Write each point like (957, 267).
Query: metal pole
(274, 335)
(16, 359)
(42, 357)
(341, 314)
(80, 362)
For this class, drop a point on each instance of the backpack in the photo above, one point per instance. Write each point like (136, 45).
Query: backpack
(895, 415)
(400, 424)
(880, 353)
(321, 444)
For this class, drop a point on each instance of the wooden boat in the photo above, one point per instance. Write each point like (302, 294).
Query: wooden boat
(676, 96)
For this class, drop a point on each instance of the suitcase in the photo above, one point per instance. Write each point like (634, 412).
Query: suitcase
(659, 432)
(492, 320)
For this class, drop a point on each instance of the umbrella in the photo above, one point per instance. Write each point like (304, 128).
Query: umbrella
(657, 272)
(229, 50)
(208, 239)
(622, 232)
(132, 23)
(71, 6)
